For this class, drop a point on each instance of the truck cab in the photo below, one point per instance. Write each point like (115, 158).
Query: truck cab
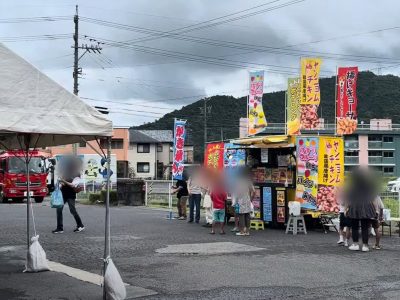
(13, 176)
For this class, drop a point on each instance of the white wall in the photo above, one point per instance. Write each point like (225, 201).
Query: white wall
(134, 157)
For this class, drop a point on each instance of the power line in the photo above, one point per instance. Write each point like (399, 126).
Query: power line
(27, 38)
(36, 19)
(124, 103)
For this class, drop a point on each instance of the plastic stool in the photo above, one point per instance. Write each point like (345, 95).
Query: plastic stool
(294, 226)
(257, 224)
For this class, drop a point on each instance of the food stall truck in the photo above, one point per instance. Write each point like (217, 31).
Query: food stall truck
(306, 168)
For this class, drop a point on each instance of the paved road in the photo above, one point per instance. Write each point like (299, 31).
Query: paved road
(278, 266)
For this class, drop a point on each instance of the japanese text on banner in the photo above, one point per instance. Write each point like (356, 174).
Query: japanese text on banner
(178, 150)
(293, 106)
(256, 117)
(307, 170)
(214, 156)
(331, 158)
(346, 109)
(310, 91)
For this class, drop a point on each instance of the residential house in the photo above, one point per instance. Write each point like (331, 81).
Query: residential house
(150, 153)
(119, 147)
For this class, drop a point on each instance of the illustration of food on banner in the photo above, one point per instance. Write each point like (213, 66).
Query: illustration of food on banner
(310, 92)
(346, 106)
(331, 175)
(256, 116)
(307, 171)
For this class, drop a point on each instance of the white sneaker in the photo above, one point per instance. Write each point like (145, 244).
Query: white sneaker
(346, 243)
(340, 241)
(354, 247)
(365, 248)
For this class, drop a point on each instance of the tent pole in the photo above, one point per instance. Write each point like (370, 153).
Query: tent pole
(107, 244)
(28, 192)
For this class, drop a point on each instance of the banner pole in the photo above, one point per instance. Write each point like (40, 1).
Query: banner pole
(336, 87)
(286, 114)
(247, 104)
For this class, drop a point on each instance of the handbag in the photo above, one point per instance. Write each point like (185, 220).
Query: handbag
(57, 200)
(207, 203)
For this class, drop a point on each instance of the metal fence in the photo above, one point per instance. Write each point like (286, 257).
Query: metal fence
(158, 193)
(391, 200)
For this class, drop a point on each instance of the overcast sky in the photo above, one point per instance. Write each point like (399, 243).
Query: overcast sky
(144, 84)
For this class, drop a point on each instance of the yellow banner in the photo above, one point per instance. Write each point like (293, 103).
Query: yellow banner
(256, 116)
(293, 106)
(331, 161)
(310, 92)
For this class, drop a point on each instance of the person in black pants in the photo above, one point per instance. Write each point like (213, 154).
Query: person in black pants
(69, 189)
(194, 189)
(359, 197)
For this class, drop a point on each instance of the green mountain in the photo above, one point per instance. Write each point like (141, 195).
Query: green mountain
(378, 96)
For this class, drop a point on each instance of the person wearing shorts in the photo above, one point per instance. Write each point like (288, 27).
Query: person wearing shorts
(218, 198)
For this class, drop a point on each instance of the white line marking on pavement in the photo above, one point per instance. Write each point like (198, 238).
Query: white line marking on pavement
(131, 291)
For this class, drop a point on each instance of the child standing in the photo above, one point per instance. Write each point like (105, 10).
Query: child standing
(218, 198)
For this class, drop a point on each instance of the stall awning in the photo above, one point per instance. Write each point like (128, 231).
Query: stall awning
(271, 141)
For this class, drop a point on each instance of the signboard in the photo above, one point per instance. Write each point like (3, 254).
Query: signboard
(256, 201)
(310, 92)
(280, 205)
(293, 106)
(307, 170)
(94, 170)
(178, 149)
(234, 157)
(267, 204)
(256, 116)
(214, 156)
(331, 159)
(264, 155)
(280, 215)
(346, 107)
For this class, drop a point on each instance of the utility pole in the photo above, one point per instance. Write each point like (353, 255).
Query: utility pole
(205, 110)
(78, 70)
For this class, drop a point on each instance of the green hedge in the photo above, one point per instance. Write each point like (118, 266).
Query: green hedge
(94, 197)
(113, 197)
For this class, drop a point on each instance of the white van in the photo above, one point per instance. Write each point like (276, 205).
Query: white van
(393, 186)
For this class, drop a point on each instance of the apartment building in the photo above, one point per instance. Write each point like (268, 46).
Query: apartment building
(376, 145)
(150, 153)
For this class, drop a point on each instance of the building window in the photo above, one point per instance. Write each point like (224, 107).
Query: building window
(374, 138)
(82, 144)
(375, 153)
(388, 169)
(388, 139)
(143, 167)
(117, 144)
(159, 148)
(388, 154)
(143, 148)
(351, 153)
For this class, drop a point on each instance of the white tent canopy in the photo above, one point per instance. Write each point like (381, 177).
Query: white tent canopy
(31, 102)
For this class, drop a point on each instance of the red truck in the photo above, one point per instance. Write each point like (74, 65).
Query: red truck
(13, 176)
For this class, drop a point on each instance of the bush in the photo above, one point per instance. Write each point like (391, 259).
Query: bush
(113, 197)
(94, 197)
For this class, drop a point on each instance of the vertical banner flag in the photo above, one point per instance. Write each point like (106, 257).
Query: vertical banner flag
(346, 102)
(331, 173)
(178, 150)
(293, 106)
(307, 170)
(310, 92)
(256, 116)
(331, 158)
(214, 156)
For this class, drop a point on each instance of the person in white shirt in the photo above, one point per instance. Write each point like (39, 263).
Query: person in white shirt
(344, 222)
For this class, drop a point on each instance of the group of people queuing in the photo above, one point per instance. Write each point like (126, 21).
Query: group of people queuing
(214, 189)
(360, 205)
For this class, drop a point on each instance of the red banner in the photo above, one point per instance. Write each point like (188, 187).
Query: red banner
(214, 156)
(346, 102)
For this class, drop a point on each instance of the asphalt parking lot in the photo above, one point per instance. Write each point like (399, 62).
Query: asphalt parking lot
(175, 260)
